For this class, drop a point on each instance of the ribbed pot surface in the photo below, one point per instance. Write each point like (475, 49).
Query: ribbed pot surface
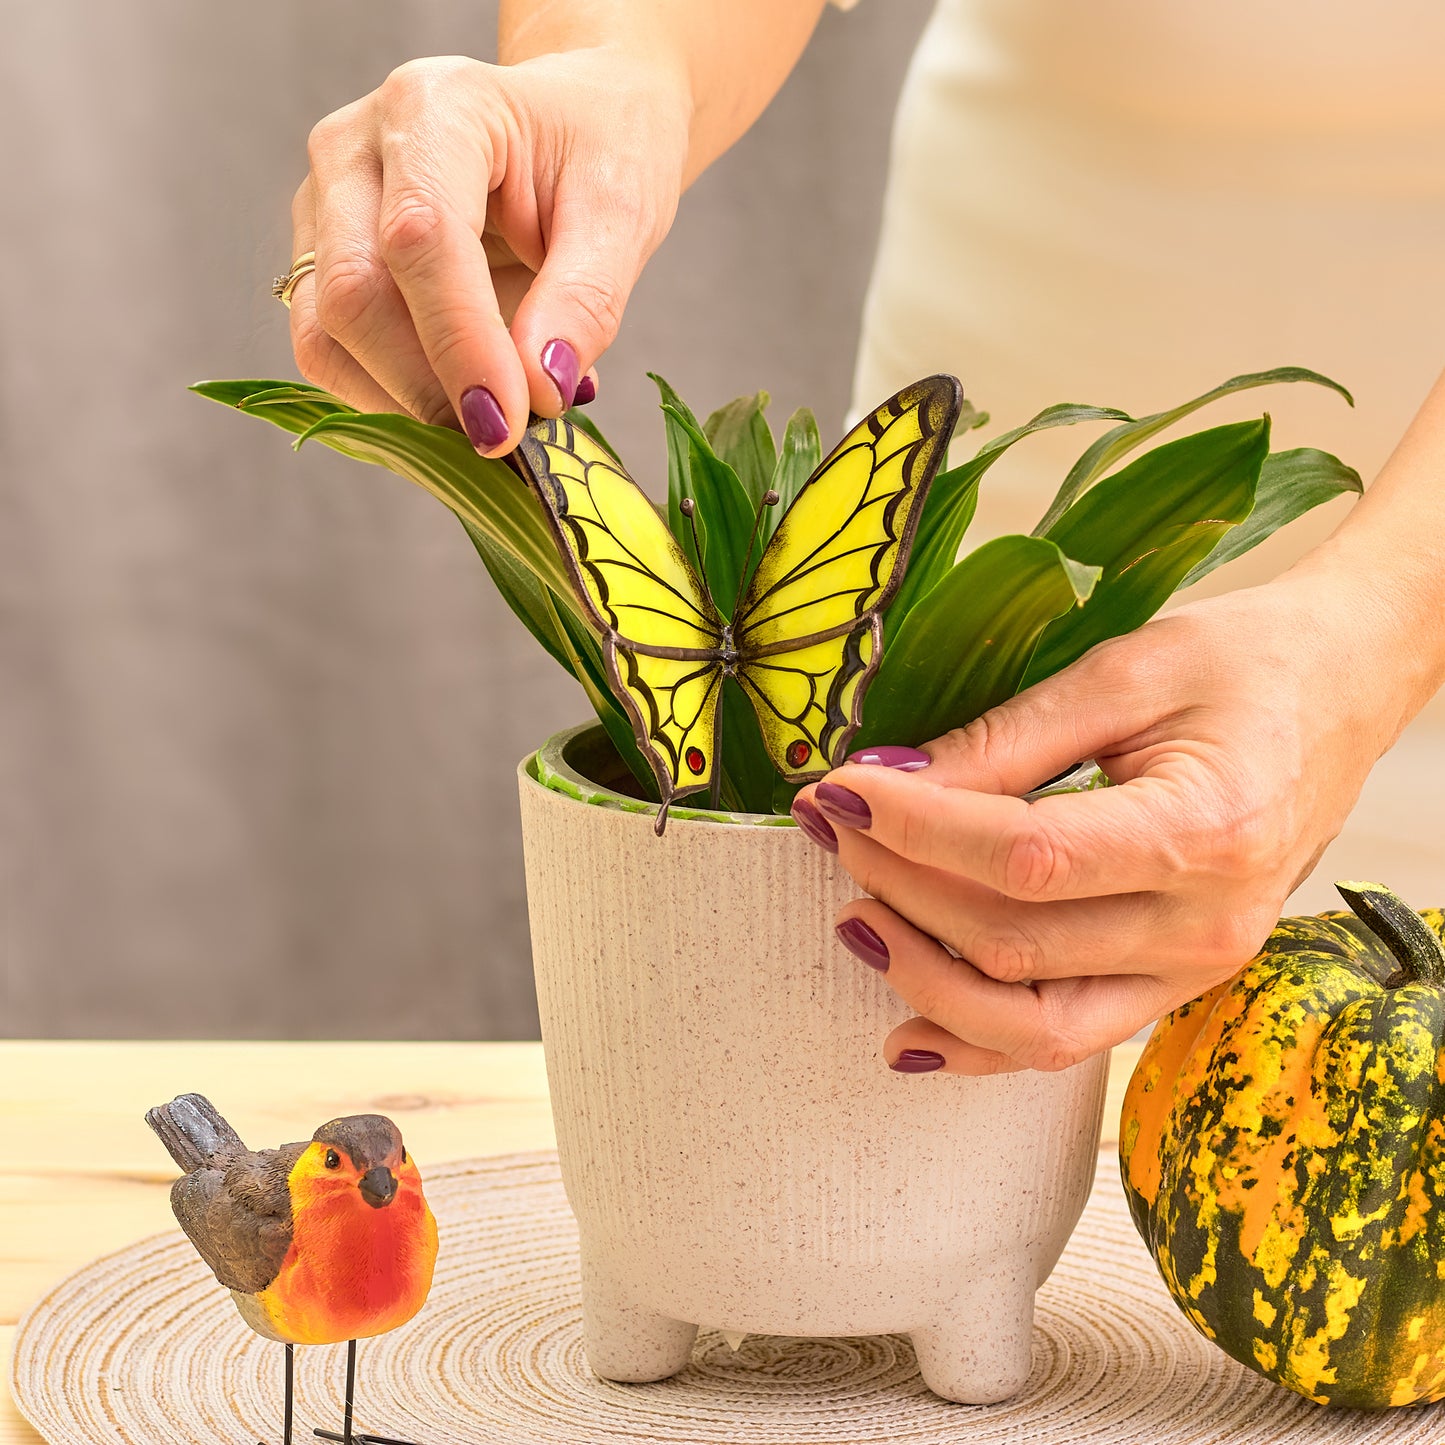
(735, 1148)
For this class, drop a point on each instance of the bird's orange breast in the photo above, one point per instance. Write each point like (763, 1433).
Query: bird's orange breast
(352, 1270)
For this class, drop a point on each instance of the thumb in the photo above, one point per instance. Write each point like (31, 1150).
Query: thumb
(1096, 706)
(573, 310)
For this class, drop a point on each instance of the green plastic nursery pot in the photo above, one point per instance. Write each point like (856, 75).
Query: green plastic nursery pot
(735, 1148)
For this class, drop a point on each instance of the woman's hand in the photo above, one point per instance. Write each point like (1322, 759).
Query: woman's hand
(1032, 935)
(568, 167)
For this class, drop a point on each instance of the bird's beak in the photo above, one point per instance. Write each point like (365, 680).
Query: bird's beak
(378, 1186)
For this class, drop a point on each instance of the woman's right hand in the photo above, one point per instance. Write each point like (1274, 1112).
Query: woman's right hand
(567, 166)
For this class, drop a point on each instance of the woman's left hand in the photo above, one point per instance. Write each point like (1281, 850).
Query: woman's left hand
(1031, 935)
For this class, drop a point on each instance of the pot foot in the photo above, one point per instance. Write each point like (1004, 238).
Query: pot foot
(627, 1343)
(981, 1351)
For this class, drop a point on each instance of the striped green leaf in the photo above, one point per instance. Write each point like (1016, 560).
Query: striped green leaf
(1290, 484)
(1145, 527)
(1132, 433)
(967, 644)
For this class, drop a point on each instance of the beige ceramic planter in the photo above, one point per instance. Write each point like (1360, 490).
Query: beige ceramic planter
(736, 1151)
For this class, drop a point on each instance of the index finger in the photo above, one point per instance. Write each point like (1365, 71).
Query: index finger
(433, 206)
(1050, 1025)
(1133, 838)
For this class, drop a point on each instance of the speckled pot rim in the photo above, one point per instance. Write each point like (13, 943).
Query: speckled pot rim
(549, 766)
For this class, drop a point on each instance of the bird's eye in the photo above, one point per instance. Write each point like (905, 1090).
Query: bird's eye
(403, 1156)
(333, 1159)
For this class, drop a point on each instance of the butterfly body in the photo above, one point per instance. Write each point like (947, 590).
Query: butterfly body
(724, 654)
(805, 635)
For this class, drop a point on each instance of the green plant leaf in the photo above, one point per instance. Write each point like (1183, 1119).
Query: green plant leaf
(740, 436)
(783, 794)
(1290, 484)
(679, 469)
(748, 772)
(952, 499)
(965, 647)
(1146, 526)
(486, 493)
(724, 509)
(236, 392)
(970, 418)
(523, 593)
(1114, 445)
(293, 406)
(569, 641)
(589, 669)
(797, 461)
(507, 529)
(481, 491)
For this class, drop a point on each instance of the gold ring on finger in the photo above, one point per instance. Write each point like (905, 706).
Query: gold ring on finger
(283, 286)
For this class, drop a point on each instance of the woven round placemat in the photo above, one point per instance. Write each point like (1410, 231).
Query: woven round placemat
(143, 1348)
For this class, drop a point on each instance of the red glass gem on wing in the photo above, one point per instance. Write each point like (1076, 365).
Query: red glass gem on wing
(695, 760)
(798, 753)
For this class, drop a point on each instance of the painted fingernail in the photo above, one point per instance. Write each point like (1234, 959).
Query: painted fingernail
(814, 824)
(483, 419)
(586, 391)
(560, 363)
(889, 755)
(843, 805)
(862, 942)
(917, 1061)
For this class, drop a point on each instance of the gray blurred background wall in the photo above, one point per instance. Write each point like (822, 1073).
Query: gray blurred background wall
(259, 713)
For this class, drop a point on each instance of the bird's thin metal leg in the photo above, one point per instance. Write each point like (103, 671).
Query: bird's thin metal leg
(350, 1392)
(290, 1396)
(290, 1393)
(346, 1437)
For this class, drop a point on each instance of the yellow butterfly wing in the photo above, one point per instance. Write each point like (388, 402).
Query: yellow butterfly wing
(808, 629)
(662, 638)
(676, 703)
(809, 699)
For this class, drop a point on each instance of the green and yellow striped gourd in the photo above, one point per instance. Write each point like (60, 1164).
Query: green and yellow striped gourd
(1283, 1153)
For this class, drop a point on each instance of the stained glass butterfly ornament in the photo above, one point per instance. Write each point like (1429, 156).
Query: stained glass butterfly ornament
(804, 636)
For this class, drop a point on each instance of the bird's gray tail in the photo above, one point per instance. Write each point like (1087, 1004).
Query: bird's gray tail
(193, 1132)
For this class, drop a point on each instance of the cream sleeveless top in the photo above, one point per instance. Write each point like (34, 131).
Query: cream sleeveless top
(1128, 201)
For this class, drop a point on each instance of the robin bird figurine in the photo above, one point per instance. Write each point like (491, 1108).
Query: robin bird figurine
(319, 1243)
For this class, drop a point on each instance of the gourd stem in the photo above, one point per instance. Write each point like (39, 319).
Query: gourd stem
(1399, 928)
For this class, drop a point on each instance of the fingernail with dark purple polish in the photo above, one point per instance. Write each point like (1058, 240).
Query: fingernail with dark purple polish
(889, 755)
(560, 363)
(917, 1061)
(586, 391)
(483, 419)
(814, 824)
(862, 942)
(843, 805)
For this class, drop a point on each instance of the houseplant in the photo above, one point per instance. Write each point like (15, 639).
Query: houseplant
(737, 1154)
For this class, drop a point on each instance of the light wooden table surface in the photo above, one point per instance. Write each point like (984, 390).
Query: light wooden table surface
(81, 1175)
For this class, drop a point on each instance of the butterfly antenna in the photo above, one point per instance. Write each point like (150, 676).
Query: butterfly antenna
(688, 508)
(770, 499)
